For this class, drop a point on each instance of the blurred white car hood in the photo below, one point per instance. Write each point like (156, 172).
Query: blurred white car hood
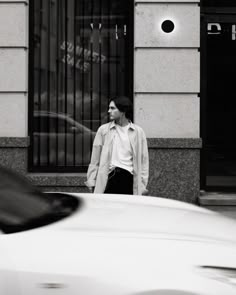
(150, 217)
(125, 245)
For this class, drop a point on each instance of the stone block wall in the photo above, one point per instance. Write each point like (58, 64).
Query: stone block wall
(166, 94)
(14, 84)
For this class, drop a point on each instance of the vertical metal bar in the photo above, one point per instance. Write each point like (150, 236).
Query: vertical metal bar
(40, 81)
(124, 56)
(129, 12)
(79, 76)
(127, 53)
(116, 54)
(57, 73)
(83, 41)
(91, 65)
(100, 60)
(32, 67)
(74, 77)
(66, 50)
(108, 54)
(203, 100)
(48, 82)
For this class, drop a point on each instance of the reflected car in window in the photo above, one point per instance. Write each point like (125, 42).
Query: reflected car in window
(60, 140)
(70, 244)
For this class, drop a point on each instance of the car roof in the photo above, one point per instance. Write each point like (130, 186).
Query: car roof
(63, 116)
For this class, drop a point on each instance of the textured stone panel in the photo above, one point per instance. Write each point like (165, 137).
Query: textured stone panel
(53, 179)
(168, 116)
(175, 174)
(13, 115)
(173, 143)
(13, 70)
(13, 27)
(72, 182)
(167, 70)
(14, 159)
(14, 142)
(149, 18)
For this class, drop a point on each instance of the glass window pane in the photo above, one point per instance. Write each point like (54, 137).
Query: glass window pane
(81, 60)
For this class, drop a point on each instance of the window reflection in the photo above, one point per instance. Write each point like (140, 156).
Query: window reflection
(80, 61)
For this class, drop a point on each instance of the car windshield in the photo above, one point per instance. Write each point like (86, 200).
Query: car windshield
(23, 207)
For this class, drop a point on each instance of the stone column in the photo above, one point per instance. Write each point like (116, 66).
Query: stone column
(166, 93)
(13, 84)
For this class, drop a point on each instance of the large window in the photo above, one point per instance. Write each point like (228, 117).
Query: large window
(80, 57)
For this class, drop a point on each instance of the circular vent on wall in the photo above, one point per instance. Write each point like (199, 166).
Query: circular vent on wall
(167, 26)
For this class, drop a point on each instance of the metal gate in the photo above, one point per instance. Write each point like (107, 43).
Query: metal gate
(81, 55)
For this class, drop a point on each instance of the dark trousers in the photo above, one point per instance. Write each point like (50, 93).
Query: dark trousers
(120, 181)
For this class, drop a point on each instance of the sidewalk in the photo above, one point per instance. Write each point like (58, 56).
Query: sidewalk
(224, 203)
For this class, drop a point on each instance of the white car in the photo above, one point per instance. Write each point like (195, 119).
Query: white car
(71, 244)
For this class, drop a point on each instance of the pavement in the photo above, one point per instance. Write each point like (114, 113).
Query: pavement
(221, 202)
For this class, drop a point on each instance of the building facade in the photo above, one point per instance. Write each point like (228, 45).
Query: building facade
(63, 59)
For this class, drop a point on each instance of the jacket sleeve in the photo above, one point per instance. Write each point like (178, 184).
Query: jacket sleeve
(145, 162)
(95, 159)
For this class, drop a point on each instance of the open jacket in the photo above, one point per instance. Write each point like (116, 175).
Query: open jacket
(98, 169)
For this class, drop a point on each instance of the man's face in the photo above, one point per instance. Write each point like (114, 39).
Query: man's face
(113, 112)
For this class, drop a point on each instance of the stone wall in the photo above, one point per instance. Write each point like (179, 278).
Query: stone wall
(14, 139)
(166, 93)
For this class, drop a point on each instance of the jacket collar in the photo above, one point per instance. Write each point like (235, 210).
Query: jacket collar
(113, 125)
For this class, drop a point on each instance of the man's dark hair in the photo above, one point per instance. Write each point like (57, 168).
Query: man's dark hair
(124, 105)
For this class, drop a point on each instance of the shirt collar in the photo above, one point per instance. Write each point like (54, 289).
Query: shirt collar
(131, 125)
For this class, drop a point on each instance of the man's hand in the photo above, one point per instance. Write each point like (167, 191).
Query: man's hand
(91, 189)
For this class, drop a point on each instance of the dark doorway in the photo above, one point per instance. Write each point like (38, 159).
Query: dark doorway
(218, 100)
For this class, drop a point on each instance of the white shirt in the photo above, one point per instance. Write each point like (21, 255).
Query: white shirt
(122, 155)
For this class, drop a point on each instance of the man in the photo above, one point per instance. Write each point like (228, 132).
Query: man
(119, 162)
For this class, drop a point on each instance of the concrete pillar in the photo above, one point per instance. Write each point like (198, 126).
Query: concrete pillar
(14, 83)
(166, 93)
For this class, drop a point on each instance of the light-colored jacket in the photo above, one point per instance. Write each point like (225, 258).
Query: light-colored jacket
(98, 169)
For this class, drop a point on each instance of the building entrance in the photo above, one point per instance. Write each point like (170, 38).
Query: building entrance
(218, 100)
